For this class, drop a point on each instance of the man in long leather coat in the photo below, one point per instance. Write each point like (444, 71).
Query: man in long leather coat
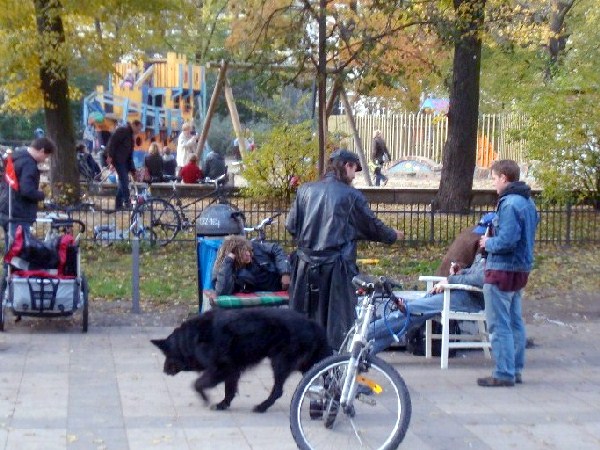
(327, 218)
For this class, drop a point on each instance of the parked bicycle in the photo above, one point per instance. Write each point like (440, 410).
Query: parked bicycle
(353, 400)
(107, 234)
(156, 220)
(163, 219)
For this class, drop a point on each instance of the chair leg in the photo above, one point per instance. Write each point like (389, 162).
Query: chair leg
(445, 330)
(484, 337)
(428, 338)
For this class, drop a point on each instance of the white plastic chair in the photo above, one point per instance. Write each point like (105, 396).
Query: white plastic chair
(479, 340)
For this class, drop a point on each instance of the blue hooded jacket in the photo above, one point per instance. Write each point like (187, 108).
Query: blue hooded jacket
(511, 246)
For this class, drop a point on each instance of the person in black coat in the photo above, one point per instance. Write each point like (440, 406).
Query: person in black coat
(379, 155)
(120, 154)
(214, 165)
(88, 167)
(154, 164)
(327, 219)
(25, 199)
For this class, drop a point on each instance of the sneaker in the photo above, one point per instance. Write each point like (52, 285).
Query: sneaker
(494, 382)
(518, 378)
(385, 181)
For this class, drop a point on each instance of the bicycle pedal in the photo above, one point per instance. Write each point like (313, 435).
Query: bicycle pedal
(366, 399)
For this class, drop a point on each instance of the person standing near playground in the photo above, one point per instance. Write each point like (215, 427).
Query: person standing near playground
(120, 155)
(186, 145)
(22, 182)
(379, 155)
(509, 246)
(327, 219)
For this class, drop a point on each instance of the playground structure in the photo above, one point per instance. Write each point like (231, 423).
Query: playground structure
(162, 93)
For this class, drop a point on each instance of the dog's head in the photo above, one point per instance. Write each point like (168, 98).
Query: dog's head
(184, 348)
(175, 362)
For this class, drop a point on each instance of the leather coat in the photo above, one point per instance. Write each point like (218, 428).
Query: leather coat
(327, 219)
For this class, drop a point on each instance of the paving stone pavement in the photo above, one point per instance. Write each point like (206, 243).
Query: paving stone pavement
(60, 389)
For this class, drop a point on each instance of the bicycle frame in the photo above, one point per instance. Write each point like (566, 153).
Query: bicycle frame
(217, 193)
(359, 345)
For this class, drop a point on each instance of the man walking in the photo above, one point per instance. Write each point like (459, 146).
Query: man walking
(510, 258)
(327, 219)
(120, 151)
(379, 155)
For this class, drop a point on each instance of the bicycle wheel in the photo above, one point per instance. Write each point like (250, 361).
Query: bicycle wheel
(156, 221)
(377, 419)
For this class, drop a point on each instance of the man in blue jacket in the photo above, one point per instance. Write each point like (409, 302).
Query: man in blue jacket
(510, 259)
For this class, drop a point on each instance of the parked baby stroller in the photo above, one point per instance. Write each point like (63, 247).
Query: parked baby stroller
(44, 278)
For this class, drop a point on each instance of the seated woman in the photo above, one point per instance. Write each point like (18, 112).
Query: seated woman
(250, 266)
(154, 163)
(431, 305)
(191, 173)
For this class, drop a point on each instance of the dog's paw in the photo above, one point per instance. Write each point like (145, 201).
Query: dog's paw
(261, 408)
(221, 406)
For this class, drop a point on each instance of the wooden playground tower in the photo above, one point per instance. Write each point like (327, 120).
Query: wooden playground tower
(162, 93)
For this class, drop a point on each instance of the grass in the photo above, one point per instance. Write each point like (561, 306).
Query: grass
(167, 275)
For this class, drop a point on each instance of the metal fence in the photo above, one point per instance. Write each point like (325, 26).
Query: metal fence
(423, 135)
(559, 224)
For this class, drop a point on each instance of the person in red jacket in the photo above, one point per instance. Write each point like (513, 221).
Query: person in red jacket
(191, 173)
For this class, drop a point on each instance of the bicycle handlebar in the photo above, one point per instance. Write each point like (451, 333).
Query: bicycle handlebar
(370, 284)
(261, 226)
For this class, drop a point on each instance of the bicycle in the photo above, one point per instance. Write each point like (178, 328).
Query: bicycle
(353, 400)
(161, 220)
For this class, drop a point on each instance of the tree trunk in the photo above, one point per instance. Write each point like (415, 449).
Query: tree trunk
(364, 162)
(64, 171)
(460, 150)
(558, 34)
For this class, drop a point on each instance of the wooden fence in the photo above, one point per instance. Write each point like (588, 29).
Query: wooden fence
(423, 135)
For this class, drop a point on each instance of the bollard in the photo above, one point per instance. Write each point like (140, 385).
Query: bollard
(135, 274)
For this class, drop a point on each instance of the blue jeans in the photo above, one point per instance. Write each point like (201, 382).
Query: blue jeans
(507, 330)
(379, 176)
(420, 310)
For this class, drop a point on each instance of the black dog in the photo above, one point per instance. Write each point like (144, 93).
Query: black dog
(223, 343)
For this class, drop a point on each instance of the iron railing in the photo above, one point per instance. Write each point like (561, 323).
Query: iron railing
(559, 224)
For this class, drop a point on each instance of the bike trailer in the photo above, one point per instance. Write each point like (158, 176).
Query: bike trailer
(44, 279)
